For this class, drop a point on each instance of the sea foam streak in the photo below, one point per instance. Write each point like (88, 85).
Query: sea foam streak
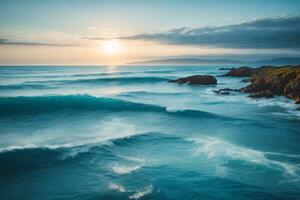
(135, 164)
(145, 191)
(112, 129)
(135, 194)
(214, 148)
(125, 169)
(118, 187)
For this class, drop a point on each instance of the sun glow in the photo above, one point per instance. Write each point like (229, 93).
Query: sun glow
(111, 47)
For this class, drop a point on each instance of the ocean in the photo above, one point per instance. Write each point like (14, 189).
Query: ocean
(124, 132)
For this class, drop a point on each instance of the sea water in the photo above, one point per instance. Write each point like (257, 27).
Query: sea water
(124, 132)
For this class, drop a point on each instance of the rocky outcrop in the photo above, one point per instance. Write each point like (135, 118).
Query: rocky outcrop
(270, 81)
(241, 72)
(196, 80)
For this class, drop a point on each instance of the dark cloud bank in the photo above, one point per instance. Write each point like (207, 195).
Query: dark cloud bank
(268, 33)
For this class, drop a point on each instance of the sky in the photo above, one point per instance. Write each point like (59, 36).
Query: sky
(96, 32)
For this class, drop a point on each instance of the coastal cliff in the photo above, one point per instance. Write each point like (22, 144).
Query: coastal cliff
(241, 71)
(269, 81)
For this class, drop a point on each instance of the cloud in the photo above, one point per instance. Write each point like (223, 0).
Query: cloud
(267, 33)
(106, 38)
(4, 41)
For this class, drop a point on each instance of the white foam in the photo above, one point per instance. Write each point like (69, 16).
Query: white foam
(135, 194)
(49, 146)
(143, 192)
(135, 164)
(136, 159)
(175, 109)
(211, 96)
(118, 169)
(287, 104)
(118, 187)
(17, 147)
(283, 154)
(107, 131)
(214, 148)
(277, 101)
(280, 101)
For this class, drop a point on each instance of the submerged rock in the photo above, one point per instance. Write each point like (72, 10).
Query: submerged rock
(196, 80)
(225, 91)
(246, 80)
(270, 81)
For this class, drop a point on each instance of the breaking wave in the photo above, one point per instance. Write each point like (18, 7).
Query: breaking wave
(45, 104)
(219, 150)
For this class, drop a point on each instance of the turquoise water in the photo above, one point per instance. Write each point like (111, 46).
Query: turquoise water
(125, 133)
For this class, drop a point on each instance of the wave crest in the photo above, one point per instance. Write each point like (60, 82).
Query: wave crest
(117, 80)
(45, 104)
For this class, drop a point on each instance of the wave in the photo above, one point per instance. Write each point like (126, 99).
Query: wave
(116, 80)
(139, 194)
(144, 137)
(82, 147)
(119, 169)
(24, 86)
(159, 71)
(18, 159)
(102, 74)
(133, 194)
(22, 161)
(219, 151)
(31, 155)
(39, 104)
(45, 104)
(215, 151)
(62, 75)
(145, 93)
(49, 147)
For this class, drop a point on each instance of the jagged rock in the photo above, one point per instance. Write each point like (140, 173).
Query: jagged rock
(196, 80)
(270, 81)
(241, 72)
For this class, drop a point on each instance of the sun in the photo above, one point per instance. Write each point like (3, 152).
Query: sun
(111, 47)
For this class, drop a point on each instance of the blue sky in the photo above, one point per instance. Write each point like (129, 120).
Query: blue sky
(137, 15)
(65, 22)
